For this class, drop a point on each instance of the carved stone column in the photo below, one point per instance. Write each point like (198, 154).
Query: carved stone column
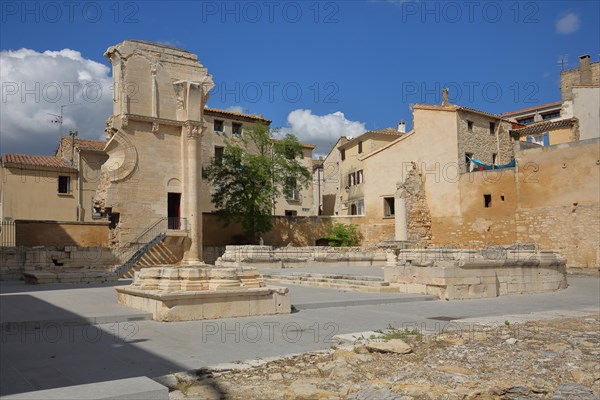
(193, 186)
(401, 229)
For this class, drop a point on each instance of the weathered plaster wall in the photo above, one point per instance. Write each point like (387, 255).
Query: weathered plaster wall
(61, 234)
(33, 194)
(559, 200)
(433, 146)
(586, 108)
(477, 225)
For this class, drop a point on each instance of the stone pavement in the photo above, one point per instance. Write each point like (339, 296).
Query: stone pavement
(60, 354)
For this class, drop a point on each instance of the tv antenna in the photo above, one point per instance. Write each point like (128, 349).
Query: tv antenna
(58, 119)
(563, 61)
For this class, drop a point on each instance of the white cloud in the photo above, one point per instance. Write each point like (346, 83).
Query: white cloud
(238, 109)
(322, 130)
(568, 23)
(36, 84)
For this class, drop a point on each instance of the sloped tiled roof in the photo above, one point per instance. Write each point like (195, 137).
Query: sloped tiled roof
(26, 160)
(391, 132)
(83, 143)
(534, 108)
(452, 107)
(236, 114)
(544, 126)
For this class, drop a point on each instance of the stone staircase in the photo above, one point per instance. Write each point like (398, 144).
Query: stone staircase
(167, 251)
(359, 283)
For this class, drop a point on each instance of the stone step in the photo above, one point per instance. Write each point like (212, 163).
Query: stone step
(359, 283)
(39, 277)
(357, 280)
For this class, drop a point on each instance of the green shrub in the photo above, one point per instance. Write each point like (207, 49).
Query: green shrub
(342, 235)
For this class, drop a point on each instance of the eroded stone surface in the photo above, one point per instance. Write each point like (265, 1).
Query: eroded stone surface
(474, 365)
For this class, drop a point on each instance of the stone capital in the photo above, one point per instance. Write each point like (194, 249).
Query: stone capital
(193, 130)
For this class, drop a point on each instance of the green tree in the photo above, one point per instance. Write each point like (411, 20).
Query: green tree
(253, 171)
(342, 235)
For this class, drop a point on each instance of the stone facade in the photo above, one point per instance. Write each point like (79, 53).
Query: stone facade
(476, 137)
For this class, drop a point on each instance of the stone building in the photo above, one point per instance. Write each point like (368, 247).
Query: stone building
(349, 171)
(586, 74)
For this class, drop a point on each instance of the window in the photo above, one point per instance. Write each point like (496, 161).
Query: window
(353, 209)
(492, 127)
(219, 154)
(468, 158)
(470, 126)
(487, 200)
(359, 147)
(524, 121)
(359, 177)
(351, 179)
(218, 125)
(494, 158)
(291, 213)
(343, 154)
(361, 207)
(388, 207)
(502, 197)
(550, 115)
(291, 189)
(236, 128)
(64, 184)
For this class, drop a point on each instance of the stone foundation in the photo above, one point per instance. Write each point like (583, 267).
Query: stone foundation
(471, 274)
(14, 261)
(292, 257)
(203, 292)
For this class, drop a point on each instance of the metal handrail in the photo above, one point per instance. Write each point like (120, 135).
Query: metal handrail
(150, 237)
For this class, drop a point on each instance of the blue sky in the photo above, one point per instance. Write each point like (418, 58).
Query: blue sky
(366, 59)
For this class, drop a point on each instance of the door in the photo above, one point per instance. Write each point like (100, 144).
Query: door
(174, 210)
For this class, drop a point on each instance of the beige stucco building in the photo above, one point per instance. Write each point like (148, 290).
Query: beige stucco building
(56, 187)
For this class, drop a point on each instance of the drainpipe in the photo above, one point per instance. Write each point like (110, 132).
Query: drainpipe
(79, 188)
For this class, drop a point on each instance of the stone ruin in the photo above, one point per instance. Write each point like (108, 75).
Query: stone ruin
(455, 274)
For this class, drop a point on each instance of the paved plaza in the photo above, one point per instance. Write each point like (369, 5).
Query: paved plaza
(60, 335)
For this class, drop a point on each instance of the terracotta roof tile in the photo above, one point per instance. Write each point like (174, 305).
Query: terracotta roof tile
(237, 114)
(84, 143)
(35, 161)
(540, 106)
(544, 126)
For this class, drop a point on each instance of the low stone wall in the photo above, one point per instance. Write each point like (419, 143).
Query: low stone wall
(453, 274)
(291, 257)
(60, 234)
(16, 260)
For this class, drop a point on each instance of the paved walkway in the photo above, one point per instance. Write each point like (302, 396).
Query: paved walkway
(56, 355)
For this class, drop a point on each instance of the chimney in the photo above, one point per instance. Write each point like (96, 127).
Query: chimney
(585, 70)
(402, 126)
(445, 97)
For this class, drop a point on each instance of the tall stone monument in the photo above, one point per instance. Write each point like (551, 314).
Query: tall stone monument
(154, 172)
